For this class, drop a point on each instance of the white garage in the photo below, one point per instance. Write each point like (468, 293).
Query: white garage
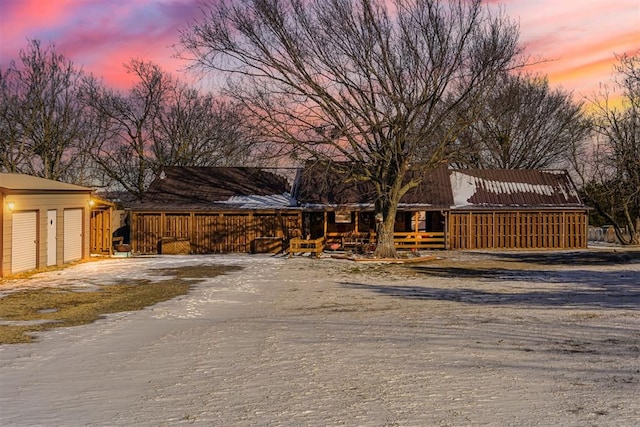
(43, 223)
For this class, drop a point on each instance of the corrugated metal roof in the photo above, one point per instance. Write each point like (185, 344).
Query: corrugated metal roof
(432, 189)
(199, 189)
(442, 188)
(513, 188)
(222, 188)
(16, 182)
(320, 185)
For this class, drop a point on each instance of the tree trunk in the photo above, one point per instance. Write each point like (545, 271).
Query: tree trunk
(385, 247)
(635, 233)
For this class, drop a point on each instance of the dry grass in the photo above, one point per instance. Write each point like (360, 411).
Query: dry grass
(25, 312)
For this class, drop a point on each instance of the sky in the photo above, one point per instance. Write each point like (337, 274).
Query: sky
(576, 38)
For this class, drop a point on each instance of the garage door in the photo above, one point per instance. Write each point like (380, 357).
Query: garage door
(24, 245)
(72, 235)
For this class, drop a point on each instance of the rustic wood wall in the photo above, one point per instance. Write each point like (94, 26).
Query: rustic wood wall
(234, 232)
(101, 234)
(209, 232)
(518, 230)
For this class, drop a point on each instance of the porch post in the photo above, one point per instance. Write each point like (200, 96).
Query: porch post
(446, 230)
(325, 224)
(357, 224)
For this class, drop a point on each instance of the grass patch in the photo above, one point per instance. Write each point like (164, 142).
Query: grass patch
(197, 271)
(23, 313)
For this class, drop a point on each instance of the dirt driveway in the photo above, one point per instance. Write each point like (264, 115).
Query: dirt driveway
(475, 338)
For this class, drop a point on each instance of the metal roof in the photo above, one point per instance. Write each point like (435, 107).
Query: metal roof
(217, 188)
(443, 188)
(512, 188)
(317, 187)
(21, 183)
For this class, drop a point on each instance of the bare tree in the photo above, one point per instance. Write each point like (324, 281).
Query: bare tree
(612, 181)
(122, 136)
(12, 153)
(368, 82)
(41, 122)
(194, 129)
(524, 124)
(161, 122)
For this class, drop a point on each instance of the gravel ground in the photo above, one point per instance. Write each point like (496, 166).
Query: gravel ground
(505, 339)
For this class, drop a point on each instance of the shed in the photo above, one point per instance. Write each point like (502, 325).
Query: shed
(215, 210)
(515, 209)
(42, 223)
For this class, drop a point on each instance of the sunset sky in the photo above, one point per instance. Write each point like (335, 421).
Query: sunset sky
(578, 38)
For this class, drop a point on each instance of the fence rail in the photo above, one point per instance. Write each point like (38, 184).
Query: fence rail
(419, 240)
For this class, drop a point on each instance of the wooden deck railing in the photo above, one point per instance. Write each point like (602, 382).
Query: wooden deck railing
(298, 245)
(402, 240)
(419, 240)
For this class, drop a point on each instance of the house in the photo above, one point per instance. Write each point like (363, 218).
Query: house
(215, 210)
(42, 223)
(453, 209)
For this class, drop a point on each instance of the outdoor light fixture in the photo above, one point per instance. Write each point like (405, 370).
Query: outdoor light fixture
(91, 202)
(11, 206)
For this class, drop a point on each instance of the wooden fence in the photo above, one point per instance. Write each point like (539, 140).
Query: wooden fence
(209, 232)
(100, 232)
(237, 232)
(518, 230)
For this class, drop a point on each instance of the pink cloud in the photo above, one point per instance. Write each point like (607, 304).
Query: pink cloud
(21, 20)
(578, 38)
(99, 35)
(582, 67)
(36, 13)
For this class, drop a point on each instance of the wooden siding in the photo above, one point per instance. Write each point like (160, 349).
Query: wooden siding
(518, 230)
(235, 232)
(101, 234)
(209, 232)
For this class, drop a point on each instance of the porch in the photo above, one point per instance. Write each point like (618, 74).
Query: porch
(356, 230)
